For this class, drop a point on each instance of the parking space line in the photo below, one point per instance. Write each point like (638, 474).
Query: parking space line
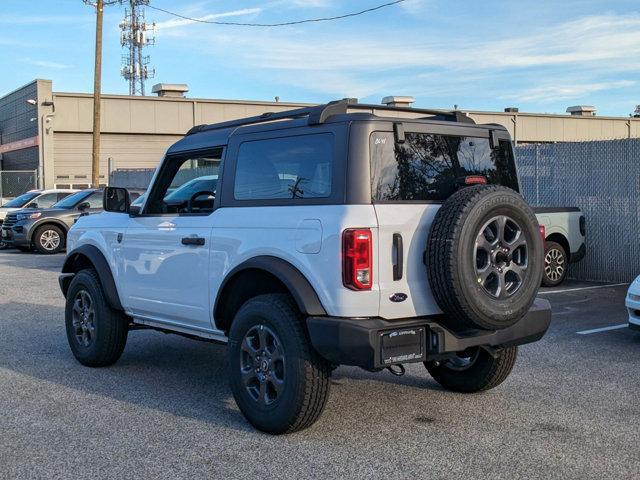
(603, 329)
(582, 288)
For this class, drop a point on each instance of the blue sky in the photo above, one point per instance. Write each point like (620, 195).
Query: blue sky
(541, 56)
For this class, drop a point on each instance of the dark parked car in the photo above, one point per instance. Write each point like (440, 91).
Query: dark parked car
(32, 199)
(46, 229)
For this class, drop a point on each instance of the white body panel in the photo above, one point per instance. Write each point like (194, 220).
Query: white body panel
(632, 302)
(413, 222)
(162, 278)
(295, 234)
(566, 224)
(162, 282)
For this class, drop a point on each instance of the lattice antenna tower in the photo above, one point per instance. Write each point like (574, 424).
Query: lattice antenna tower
(136, 34)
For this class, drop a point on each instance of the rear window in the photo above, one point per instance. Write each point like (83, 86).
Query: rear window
(430, 167)
(285, 168)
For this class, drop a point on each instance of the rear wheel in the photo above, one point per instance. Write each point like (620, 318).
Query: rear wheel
(473, 370)
(278, 381)
(49, 239)
(555, 264)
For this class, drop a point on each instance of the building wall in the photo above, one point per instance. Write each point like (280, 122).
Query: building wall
(137, 130)
(544, 128)
(15, 125)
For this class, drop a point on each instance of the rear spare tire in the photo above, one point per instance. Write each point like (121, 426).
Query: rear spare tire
(484, 258)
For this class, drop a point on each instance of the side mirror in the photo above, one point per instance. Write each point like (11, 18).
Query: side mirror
(32, 205)
(84, 206)
(116, 199)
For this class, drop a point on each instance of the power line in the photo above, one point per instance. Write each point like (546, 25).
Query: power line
(283, 24)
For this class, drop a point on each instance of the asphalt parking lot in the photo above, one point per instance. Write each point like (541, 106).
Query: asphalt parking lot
(570, 409)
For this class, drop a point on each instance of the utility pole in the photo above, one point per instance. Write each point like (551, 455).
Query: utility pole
(134, 36)
(97, 78)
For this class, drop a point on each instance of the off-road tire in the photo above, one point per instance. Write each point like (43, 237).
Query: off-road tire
(38, 239)
(551, 263)
(306, 374)
(451, 258)
(485, 373)
(111, 326)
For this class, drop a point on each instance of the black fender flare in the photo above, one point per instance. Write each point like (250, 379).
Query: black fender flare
(301, 290)
(90, 256)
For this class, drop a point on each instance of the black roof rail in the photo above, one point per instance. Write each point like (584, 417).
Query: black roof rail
(316, 115)
(449, 115)
(319, 114)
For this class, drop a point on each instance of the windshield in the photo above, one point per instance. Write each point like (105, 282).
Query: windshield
(21, 201)
(207, 183)
(72, 200)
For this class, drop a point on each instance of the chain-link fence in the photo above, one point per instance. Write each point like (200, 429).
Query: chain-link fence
(134, 178)
(16, 182)
(601, 178)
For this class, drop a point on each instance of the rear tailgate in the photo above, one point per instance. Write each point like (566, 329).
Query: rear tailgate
(405, 292)
(409, 182)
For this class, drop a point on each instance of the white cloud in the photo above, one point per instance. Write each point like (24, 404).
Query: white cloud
(181, 22)
(549, 92)
(47, 64)
(593, 48)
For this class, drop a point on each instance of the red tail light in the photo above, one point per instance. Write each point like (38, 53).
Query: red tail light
(543, 233)
(475, 180)
(357, 259)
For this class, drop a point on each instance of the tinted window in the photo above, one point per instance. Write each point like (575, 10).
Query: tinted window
(292, 167)
(62, 195)
(95, 200)
(207, 183)
(181, 178)
(72, 200)
(46, 200)
(21, 201)
(432, 167)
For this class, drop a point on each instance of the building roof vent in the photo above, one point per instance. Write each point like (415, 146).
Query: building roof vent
(398, 101)
(170, 89)
(582, 110)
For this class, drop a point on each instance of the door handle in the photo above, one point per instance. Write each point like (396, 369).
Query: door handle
(193, 241)
(398, 266)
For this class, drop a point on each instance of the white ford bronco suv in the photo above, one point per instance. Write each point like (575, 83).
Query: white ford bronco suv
(342, 234)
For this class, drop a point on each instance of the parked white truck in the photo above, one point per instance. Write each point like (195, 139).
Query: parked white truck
(564, 231)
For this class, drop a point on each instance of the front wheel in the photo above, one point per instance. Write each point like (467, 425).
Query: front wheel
(279, 382)
(473, 370)
(555, 264)
(49, 239)
(96, 333)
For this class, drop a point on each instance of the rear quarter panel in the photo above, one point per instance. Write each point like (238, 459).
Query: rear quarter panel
(308, 237)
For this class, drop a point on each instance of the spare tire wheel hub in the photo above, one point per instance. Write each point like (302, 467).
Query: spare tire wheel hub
(501, 256)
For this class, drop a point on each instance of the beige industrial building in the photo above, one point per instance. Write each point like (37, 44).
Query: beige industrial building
(50, 131)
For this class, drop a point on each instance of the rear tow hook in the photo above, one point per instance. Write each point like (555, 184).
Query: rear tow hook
(397, 370)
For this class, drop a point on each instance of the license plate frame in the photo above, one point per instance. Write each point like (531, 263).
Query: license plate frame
(403, 345)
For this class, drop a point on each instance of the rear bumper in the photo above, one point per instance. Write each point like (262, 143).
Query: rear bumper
(359, 342)
(579, 255)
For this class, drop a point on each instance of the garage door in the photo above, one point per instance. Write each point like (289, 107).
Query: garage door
(72, 154)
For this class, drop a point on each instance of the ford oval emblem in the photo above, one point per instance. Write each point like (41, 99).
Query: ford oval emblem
(398, 297)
